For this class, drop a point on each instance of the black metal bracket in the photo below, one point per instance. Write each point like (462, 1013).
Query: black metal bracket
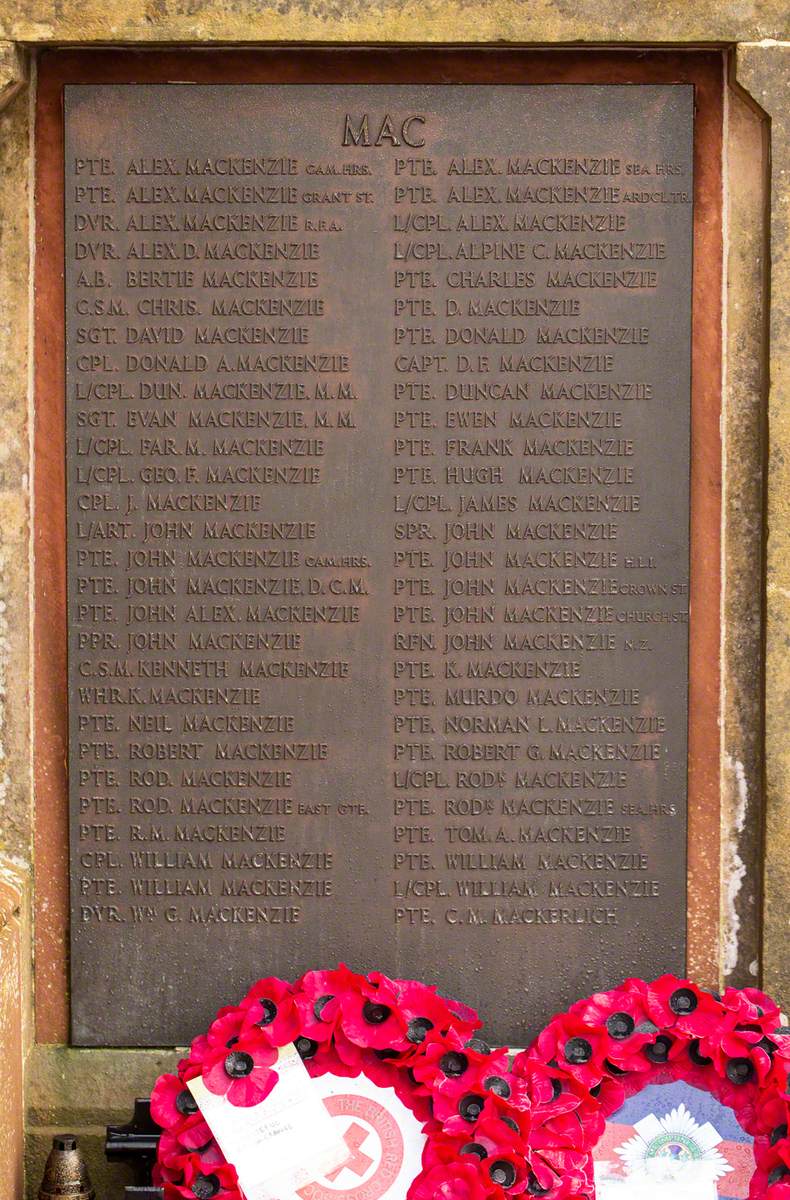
(136, 1144)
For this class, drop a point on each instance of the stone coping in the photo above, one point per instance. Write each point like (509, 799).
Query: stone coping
(402, 21)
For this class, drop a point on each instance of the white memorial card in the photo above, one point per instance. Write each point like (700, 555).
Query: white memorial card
(282, 1143)
(329, 1138)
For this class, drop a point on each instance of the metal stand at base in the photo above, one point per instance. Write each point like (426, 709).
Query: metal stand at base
(136, 1144)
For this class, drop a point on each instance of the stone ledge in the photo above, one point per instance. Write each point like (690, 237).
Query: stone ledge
(402, 21)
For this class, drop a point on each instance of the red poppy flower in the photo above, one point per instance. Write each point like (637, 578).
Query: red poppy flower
(417, 1101)
(553, 1146)
(739, 1052)
(783, 1151)
(171, 1102)
(220, 1182)
(752, 1005)
(741, 1098)
(625, 1018)
(193, 1133)
(611, 1096)
(509, 1139)
(335, 1057)
(457, 1181)
(570, 1183)
(441, 1148)
(425, 1010)
(371, 1017)
(384, 1072)
(545, 1180)
(772, 1150)
(451, 1056)
(192, 1065)
(269, 1005)
(771, 1185)
(562, 1144)
(571, 1120)
(779, 1077)
(243, 1073)
(679, 1005)
(464, 1015)
(488, 1077)
(173, 1157)
(758, 1043)
(553, 1091)
(475, 1107)
(322, 1043)
(536, 1152)
(225, 1028)
(771, 1117)
(393, 1073)
(578, 1048)
(223, 1031)
(317, 996)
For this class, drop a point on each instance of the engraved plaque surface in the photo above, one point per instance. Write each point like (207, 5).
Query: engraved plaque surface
(378, 408)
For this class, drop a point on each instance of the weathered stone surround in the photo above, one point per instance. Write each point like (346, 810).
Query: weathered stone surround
(86, 1088)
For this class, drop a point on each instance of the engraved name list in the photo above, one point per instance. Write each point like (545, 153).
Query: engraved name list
(378, 406)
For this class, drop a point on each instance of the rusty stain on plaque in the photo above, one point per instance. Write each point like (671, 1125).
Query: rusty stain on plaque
(378, 406)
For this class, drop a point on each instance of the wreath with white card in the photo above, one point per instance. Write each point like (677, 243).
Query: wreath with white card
(493, 1126)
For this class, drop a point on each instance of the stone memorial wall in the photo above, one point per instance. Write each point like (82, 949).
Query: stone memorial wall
(537, 289)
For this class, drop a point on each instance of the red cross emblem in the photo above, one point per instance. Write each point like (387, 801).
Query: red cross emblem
(354, 1137)
(376, 1172)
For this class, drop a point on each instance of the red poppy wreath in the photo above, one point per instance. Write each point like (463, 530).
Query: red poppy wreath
(731, 1045)
(340, 1022)
(494, 1127)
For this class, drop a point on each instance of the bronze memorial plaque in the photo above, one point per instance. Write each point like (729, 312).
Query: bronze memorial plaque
(378, 415)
